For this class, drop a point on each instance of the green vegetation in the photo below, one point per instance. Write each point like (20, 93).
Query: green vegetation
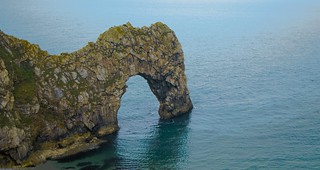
(114, 33)
(24, 86)
(5, 121)
(22, 75)
(112, 80)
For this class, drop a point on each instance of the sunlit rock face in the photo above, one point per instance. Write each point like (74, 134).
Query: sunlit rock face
(51, 104)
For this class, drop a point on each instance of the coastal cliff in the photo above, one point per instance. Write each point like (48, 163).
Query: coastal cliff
(52, 105)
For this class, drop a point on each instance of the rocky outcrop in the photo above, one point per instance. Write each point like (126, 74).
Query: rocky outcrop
(49, 102)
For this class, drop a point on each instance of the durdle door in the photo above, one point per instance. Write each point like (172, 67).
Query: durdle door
(57, 105)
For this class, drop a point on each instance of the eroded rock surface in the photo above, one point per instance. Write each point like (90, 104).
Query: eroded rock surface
(49, 102)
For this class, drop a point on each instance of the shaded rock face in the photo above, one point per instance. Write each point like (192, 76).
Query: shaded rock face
(53, 97)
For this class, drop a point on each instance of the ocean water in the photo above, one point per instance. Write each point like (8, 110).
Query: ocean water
(253, 69)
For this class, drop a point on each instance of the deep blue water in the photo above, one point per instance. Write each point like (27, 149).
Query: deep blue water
(253, 69)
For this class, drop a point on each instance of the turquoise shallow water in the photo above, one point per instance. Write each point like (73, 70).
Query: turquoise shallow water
(253, 71)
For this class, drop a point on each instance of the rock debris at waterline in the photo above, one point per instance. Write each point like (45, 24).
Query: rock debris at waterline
(52, 105)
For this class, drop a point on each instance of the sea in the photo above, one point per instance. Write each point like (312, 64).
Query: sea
(253, 71)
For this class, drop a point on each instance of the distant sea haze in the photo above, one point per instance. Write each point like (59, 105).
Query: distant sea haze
(252, 69)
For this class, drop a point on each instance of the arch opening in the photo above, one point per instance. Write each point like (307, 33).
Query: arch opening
(137, 102)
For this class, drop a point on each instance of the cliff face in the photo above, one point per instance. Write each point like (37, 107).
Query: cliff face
(52, 104)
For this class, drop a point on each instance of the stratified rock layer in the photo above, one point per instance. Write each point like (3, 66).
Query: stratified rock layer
(51, 104)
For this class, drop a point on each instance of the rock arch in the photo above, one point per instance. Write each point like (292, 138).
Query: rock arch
(80, 92)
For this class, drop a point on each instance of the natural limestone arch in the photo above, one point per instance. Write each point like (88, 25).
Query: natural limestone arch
(56, 97)
(153, 53)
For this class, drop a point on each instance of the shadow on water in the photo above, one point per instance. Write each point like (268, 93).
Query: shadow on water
(165, 147)
(168, 144)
